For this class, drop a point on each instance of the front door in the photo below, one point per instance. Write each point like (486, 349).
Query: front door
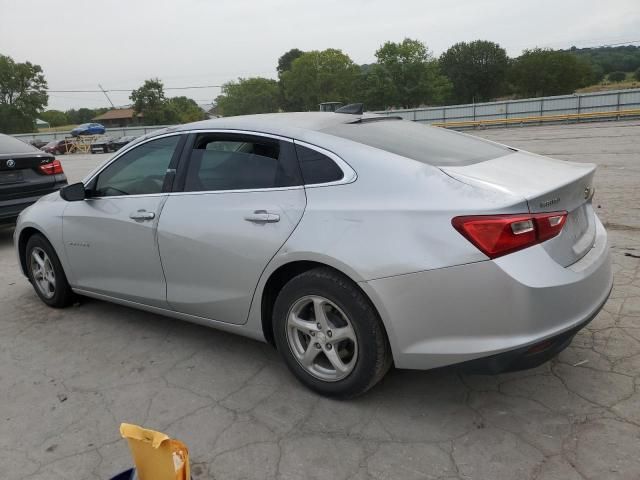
(241, 198)
(110, 237)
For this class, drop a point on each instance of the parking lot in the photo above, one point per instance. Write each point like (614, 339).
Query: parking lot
(68, 378)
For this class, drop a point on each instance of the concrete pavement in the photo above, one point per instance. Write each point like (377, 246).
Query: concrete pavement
(69, 377)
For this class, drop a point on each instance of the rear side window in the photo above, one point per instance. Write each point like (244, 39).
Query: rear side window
(317, 167)
(431, 145)
(234, 162)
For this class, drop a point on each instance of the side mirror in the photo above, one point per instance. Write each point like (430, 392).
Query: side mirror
(74, 192)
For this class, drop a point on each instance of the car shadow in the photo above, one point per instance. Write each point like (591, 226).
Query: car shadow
(6, 235)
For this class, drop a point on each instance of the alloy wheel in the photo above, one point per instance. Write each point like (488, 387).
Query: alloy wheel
(43, 273)
(321, 338)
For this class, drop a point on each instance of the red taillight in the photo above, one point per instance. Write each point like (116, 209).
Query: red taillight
(497, 235)
(52, 168)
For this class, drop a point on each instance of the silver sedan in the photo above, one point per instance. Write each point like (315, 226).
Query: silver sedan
(349, 242)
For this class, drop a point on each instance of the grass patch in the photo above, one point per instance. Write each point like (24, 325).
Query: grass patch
(62, 128)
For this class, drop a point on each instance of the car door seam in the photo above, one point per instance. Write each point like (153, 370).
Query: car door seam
(255, 289)
(156, 242)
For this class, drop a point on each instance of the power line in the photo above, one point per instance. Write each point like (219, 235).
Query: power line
(109, 90)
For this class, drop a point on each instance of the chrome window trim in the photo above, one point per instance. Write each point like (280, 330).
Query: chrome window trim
(349, 175)
(241, 132)
(89, 178)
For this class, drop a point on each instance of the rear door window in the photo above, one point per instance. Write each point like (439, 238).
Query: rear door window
(221, 162)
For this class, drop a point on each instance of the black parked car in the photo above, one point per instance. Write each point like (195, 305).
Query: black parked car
(37, 143)
(121, 142)
(102, 145)
(26, 174)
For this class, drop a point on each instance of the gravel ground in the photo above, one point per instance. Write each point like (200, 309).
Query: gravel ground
(69, 377)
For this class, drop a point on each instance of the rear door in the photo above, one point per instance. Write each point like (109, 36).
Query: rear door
(240, 197)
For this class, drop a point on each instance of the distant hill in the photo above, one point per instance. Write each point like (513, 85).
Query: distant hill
(624, 58)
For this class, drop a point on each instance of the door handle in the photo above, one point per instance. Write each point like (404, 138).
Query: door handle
(262, 216)
(142, 215)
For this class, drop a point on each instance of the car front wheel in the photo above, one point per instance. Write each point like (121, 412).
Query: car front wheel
(46, 274)
(329, 334)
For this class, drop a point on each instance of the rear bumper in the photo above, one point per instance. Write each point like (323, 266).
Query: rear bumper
(504, 306)
(10, 209)
(526, 357)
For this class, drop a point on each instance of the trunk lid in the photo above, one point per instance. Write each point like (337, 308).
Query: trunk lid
(547, 185)
(20, 176)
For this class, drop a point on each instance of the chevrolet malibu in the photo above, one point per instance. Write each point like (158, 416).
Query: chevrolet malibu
(349, 242)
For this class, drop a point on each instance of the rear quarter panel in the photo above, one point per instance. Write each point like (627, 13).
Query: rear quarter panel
(395, 218)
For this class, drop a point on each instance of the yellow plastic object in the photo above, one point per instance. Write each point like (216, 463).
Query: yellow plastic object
(157, 457)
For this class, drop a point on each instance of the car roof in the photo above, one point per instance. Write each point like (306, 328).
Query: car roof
(285, 124)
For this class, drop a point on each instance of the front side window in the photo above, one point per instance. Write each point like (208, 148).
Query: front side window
(140, 171)
(234, 162)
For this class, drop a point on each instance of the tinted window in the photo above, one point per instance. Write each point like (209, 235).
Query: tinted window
(238, 163)
(140, 171)
(316, 167)
(432, 145)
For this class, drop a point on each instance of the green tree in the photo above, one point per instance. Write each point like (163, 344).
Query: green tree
(23, 95)
(374, 87)
(541, 72)
(150, 101)
(477, 70)
(617, 76)
(186, 109)
(248, 96)
(597, 74)
(637, 74)
(55, 118)
(319, 76)
(285, 61)
(284, 65)
(412, 74)
(623, 58)
(83, 115)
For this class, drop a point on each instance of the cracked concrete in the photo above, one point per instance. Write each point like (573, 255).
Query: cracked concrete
(68, 378)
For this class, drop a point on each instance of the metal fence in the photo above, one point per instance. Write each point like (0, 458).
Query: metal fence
(528, 108)
(586, 106)
(111, 132)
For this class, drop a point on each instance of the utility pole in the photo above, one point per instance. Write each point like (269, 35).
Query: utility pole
(105, 94)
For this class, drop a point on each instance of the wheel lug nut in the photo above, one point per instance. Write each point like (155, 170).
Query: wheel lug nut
(319, 326)
(328, 345)
(318, 345)
(329, 333)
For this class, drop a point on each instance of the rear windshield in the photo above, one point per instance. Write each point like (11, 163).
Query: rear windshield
(13, 145)
(431, 145)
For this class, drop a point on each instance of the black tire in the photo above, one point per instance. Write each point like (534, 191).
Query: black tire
(62, 295)
(374, 353)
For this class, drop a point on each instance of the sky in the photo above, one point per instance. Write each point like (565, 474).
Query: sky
(120, 43)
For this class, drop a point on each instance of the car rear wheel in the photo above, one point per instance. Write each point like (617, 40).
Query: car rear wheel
(329, 334)
(46, 274)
